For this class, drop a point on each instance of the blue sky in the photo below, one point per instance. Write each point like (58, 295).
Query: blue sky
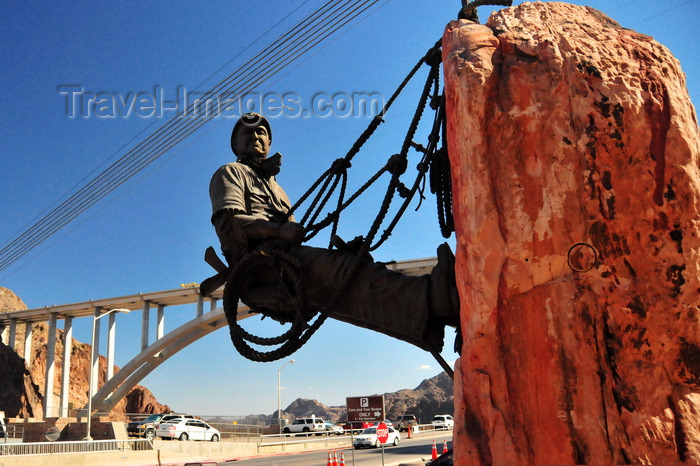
(151, 232)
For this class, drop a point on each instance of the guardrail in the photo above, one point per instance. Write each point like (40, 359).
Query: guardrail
(84, 446)
(431, 427)
(236, 432)
(302, 438)
(11, 434)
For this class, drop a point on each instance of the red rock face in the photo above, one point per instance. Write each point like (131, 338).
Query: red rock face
(575, 164)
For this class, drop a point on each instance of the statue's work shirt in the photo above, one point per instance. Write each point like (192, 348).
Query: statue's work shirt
(237, 188)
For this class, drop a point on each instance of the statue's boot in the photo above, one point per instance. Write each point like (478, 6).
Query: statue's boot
(443, 307)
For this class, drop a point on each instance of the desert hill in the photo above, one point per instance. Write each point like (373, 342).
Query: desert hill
(432, 396)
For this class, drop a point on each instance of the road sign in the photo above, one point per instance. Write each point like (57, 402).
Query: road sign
(382, 432)
(365, 408)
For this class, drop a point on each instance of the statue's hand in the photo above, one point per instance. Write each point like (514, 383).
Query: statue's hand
(292, 233)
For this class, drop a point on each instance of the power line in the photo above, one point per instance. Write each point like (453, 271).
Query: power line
(307, 34)
(655, 15)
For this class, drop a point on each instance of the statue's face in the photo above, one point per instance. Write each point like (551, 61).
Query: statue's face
(252, 142)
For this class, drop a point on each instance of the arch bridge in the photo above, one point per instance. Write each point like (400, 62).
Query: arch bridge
(151, 355)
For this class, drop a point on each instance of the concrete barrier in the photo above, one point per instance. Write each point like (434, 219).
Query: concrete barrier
(175, 452)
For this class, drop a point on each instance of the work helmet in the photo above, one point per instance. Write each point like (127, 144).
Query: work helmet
(254, 119)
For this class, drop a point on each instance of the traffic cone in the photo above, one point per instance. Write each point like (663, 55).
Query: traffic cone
(335, 459)
(330, 460)
(434, 450)
(444, 446)
(342, 459)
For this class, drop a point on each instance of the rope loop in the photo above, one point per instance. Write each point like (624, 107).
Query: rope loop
(287, 268)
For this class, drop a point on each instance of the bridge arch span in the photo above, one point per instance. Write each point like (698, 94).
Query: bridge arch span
(157, 353)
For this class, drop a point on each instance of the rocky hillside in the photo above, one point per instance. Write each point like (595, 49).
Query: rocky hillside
(432, 396)
(22, 391)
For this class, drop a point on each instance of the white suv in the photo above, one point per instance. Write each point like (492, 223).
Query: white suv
(188, 429)
(443, 421)
(306, 425)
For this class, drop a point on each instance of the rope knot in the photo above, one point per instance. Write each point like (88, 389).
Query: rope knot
(397, 164)
(433, 57)
(403, 191)
(340, 166)
(436, 101)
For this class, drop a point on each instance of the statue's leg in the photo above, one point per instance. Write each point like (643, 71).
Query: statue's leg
(363, 293)
(413, 309)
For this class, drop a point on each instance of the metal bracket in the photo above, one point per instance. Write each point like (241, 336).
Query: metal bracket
(468, 10)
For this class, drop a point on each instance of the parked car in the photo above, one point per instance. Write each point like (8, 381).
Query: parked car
(443, 421)
(334, 429)
(187, 429)
(147, 427)
(385, 421)
(403, 423)
(368, 438)
(356, 426)
(306, 425)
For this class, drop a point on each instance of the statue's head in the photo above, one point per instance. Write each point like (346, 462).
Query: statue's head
(251, 137)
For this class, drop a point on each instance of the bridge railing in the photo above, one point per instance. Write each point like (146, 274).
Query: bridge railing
(12, 433)
(237, 432)
(302, 439)
(57, 448)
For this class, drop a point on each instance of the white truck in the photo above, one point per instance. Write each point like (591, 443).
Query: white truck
(306, 425)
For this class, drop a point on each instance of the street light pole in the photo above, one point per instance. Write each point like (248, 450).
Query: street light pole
(279, 396)
(92, 362)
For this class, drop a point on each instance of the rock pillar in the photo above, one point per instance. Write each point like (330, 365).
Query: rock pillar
(575, 162)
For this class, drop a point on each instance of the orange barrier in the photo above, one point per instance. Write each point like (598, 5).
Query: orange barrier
(434, 450)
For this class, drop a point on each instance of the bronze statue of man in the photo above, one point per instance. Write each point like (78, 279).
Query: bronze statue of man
(249, 212)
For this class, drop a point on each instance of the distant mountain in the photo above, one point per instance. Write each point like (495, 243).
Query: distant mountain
(432, 396)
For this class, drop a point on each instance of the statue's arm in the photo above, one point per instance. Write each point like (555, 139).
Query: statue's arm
(231, 226)
(289, 232)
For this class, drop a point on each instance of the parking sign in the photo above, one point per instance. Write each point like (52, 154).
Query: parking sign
(365, 408)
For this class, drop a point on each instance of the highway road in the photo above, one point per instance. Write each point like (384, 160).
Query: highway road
(409, 451)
